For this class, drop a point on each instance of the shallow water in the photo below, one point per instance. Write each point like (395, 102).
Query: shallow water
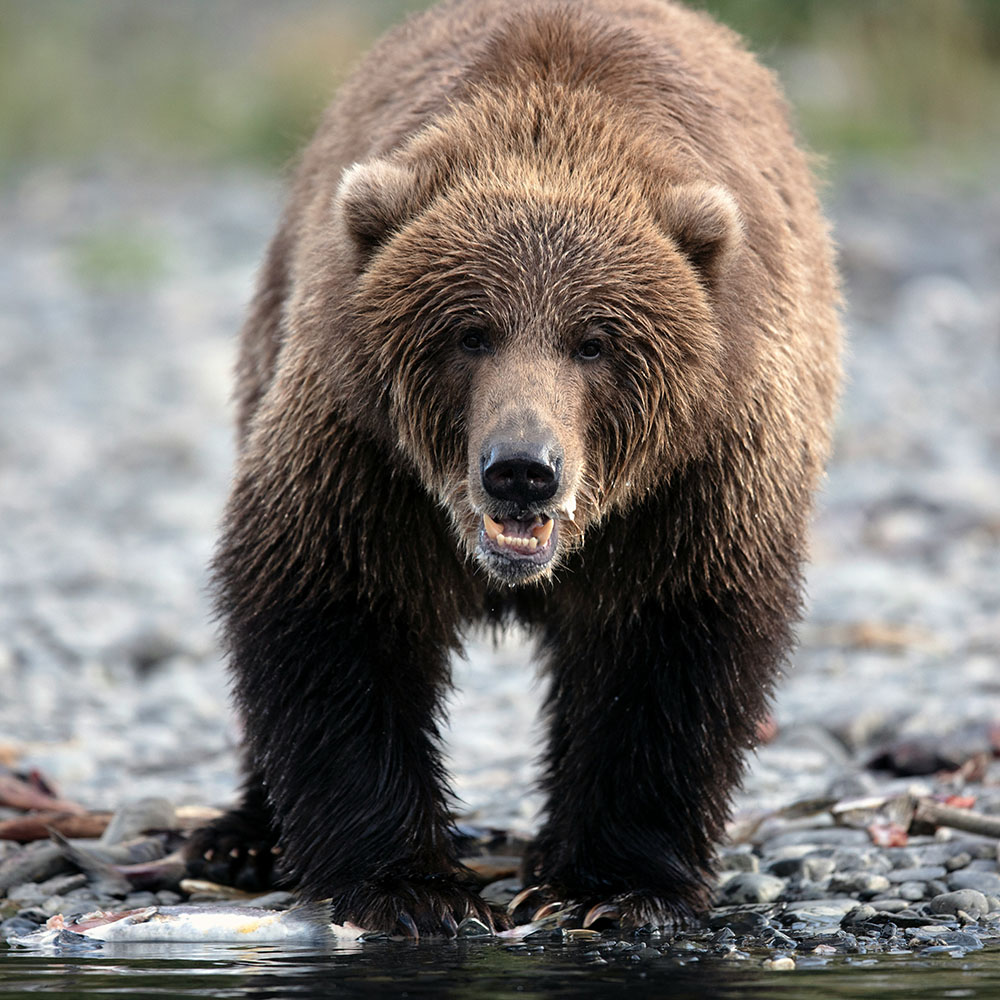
(476, 969)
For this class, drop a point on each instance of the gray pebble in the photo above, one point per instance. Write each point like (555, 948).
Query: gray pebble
(957, 861)
(734, 922)
(857, 882)
(974, 903)
(913, 891)
(738, 861)
(165, 897)
(790, 852)
(59, 885)
(752, 887)
(819, 911)
(859, 915)
(811, 869)
(138, 900)
(988, 883)
(839, 836)
(471, 927)
(889, 904)
(15, 927)
(924, 874)
(28, 894)
(34, 863)
(983, 865)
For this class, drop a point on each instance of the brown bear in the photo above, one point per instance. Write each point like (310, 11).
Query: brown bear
(549, 333)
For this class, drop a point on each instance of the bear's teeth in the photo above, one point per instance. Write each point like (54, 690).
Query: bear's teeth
(492, 528)
(543, 532)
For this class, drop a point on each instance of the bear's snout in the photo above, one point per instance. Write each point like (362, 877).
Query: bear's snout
(523, 473)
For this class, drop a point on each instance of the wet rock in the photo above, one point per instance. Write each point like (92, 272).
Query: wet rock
(889, 904)
(945, 937)
(470, 927)
(862, 883)
(818, 911)
(858, 915)
(971, 901)
(780, 963)
(751, 887)
(15, 927)
(811, 868)
(739, 922)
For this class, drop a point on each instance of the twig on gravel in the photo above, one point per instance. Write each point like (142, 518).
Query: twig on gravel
(19, 794)
(25, 829)
(929, 811)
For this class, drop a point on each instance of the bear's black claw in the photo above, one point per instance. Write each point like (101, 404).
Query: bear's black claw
(602, 911)
(418, 907)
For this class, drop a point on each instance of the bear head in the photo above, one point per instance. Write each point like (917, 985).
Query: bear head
(543, 346)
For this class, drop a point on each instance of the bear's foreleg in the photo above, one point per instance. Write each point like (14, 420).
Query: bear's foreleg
(340, 704)
(650, 717)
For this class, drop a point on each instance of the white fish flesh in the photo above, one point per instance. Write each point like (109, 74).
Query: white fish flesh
(307, 923)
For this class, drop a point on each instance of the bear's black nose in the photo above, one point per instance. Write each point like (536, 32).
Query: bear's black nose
(521, 473)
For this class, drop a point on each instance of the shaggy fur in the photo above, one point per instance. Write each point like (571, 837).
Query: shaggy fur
(581, 229)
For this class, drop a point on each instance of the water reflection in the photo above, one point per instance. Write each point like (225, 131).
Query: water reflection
(461, 970)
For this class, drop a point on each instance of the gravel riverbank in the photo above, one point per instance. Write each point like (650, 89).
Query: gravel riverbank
(122, 296)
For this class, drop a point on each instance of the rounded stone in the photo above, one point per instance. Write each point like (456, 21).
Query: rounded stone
(973, 902)
(781, 963)
(855, 882)
(752, 887)
(988, 883)
(859, 915)
(738, 861)
(913, 891)
(923, 874)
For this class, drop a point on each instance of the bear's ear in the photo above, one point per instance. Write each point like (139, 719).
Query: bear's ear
(374, 199)
(706, 224)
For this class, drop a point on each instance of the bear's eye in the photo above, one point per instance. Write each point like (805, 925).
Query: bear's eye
(590, 350)
(475, 342)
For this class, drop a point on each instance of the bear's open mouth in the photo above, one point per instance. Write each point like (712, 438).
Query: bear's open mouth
(529, 541)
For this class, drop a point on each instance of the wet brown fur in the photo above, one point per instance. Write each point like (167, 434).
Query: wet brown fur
(543, 173)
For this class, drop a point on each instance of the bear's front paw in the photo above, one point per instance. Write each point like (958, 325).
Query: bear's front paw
(414, 907)
(232, 851)
(625, 910)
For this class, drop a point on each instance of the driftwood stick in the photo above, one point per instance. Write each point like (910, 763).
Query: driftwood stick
(20, 794)
(928, 811)
(36, 826)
